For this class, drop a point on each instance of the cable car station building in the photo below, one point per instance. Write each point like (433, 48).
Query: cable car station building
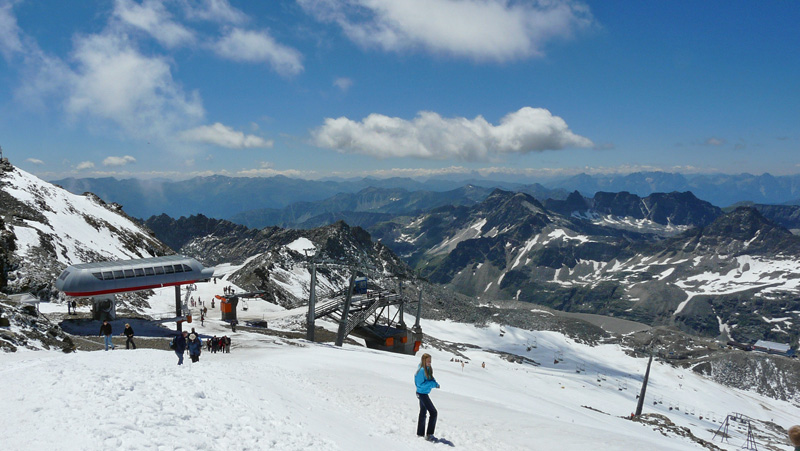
(100, 281)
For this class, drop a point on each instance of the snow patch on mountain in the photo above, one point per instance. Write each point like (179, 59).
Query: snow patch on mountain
(562, 235)
(633, 224)
(301, 244)
(467, 233)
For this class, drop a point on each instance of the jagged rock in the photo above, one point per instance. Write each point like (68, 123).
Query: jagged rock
(28, 329)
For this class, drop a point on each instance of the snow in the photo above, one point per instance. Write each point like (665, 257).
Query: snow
(76, 222)
(300, 244)
(683, 304)
(627, 222)
(289, 394)
(542, 311)
(471, 231)
(562, 234)
(666, 273)
(774, 274)
(27, 238)
(525, 249)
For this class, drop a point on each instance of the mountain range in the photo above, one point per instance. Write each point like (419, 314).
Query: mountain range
(236, 198)
(664, 260)
(668, 260)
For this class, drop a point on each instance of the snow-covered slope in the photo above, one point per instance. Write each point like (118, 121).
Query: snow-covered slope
(53, 228)
(286, 394)
(289, 394)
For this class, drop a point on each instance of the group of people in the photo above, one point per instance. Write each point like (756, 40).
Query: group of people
(219, 344)
(192, 343)
(72, 308)
(106, 331)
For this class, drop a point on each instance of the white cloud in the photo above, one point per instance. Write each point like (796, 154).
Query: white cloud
(219, 11)
(106, 79)
(434, 137)
(714, 142)
(269, 172)
(114, 81)
(224, 136)
(153, 18)
(483, 30)
(10, 42)
(497, 173)
(119, 161)
(259, 47)
(343, 83)
(84, 165)
(34, 161)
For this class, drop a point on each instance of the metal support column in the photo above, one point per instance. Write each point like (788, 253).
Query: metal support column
(345, 311)
(178, 309)
(644, 387)
(312, 302)
(419, 310)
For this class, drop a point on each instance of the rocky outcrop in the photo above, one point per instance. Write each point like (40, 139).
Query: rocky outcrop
(21, 326)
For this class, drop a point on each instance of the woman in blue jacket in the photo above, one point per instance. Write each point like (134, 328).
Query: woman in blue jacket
(425, 383)
(194, 345)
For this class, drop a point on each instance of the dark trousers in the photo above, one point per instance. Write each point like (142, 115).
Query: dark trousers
(426, 406)
(129, 342)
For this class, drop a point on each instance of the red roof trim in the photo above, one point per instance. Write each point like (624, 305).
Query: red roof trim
(123, 290)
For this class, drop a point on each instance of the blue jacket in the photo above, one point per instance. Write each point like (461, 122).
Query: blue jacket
(424, 385)
(195, 346)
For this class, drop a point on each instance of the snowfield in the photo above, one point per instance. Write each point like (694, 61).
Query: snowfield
(290, 394)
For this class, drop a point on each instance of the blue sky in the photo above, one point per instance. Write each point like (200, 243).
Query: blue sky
(350, 88)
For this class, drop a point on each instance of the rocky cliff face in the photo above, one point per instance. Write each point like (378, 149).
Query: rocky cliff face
(21, 327)
(787, 216)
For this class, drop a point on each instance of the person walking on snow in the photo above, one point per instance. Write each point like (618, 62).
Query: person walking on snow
(128, 332)
(425, 383)
(180, 346)
(195, 346)
(105, 330)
